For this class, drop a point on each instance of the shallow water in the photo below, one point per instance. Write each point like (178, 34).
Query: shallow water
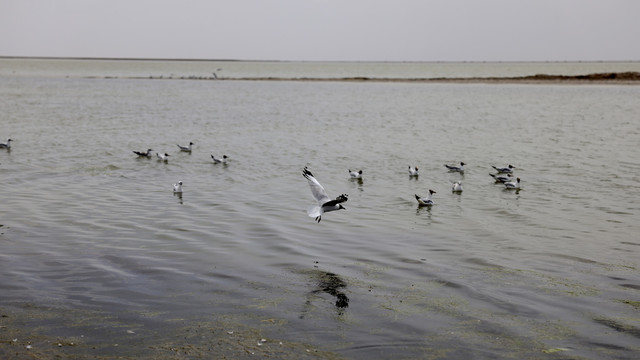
(487, 273)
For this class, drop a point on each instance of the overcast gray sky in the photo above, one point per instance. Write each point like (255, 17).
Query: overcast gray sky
(338, 30)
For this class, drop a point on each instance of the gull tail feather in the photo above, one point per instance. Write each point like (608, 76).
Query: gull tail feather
(314, 211)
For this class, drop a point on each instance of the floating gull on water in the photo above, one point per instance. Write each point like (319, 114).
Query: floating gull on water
(456, 168)
(501, 178)
(163, 157)
(143, 154)
(222, 160)
(457, 187)
(426, 201)
(413, 171)
(513, 184)
(325, 204)
(7, 145)
(177, 188)
(185, 148)
(505, 170)
(355, 174)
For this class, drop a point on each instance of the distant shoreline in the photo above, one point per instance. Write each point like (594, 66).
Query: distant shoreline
(632, 78)
(618, 78)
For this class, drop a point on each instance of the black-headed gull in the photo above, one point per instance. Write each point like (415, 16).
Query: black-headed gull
(456, 168)
(7, 145)
(501, 178)
(325, 204)
(513, 184)
(355, 174)
(504, 170)
(222, 160)
(143, 154)
(413, 171)
(425, 201)
(185, 148)
(162, 157)
(457, 186)
(177, 187)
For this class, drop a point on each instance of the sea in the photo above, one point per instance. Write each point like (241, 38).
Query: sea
(99, 258)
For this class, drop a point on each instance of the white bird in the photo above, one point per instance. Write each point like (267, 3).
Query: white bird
(456, 168)
(222, 160)
(426, 201)
(413, 171)
(177, 188)
(325, 204)
(355, 174)
(504, 170)
(143, 154)
(185, 148)
(7, 145)
(513, 184)
(457, 186)
(163, 157)
(501, 178)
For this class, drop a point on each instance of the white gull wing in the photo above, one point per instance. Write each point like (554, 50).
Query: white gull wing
(317, 190)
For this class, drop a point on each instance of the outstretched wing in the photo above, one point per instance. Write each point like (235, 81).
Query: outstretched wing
(339, 200)
(317, 190)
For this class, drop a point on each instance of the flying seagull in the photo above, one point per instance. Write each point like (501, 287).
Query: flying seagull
(325, 204)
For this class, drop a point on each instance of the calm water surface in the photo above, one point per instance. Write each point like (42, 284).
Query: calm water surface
(488, 273)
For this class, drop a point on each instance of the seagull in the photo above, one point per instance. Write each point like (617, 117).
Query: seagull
(177, 188)
(504, 170)
(502, 178)
(325, 204)
(163, 157)
(7, 145)
(457, 187)
(456, 168)
(222, 160)
(355, 174)
(425, 201)
(143, 154)
(513, 184)
(413, 171)
(185, 148)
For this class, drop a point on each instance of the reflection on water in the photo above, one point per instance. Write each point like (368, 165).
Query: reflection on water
(329, 283)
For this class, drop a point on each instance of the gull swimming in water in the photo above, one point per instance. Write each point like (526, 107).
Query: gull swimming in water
(7, 145)
(163, 157)
(177, 188)
(457, 187)
(222, 160)
(456, 168)
(355, 174)
(325, 204)
(185, 148)
(426, 201)
(501, 178)
(413, 171)
(143, 154)
(504, 170)
(513, 184)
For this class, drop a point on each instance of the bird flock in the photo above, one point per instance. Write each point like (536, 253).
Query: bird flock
(503, 175)
(326, 204)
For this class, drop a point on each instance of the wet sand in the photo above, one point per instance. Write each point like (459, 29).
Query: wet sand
(37, 332)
